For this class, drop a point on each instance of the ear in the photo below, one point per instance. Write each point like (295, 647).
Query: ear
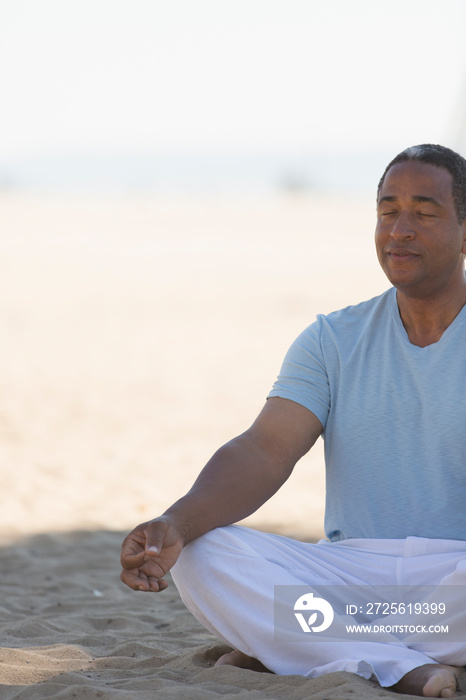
(464, 237)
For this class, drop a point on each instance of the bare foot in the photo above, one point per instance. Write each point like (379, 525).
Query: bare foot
(237, 658)
(430, 681)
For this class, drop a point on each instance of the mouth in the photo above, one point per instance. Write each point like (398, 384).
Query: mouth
(401, 254)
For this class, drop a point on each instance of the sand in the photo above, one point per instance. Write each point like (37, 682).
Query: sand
(138, 335)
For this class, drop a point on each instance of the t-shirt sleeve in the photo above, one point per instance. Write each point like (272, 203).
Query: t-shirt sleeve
(303, 376)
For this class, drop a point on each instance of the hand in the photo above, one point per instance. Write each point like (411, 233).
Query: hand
(148, 553)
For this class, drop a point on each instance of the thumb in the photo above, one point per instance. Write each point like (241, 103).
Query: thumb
(155, 535)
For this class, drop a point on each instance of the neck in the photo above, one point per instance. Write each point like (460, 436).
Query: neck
(426, 319)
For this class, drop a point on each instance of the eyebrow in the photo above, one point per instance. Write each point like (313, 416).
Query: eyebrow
(415, 198)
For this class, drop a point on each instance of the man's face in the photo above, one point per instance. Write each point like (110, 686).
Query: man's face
(419, 242)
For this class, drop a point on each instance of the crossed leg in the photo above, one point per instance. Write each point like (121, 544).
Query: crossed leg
(227, 577)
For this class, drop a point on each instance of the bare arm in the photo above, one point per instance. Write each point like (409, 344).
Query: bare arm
(248, 470)
(236, 481)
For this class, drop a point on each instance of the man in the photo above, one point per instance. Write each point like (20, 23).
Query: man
(383, 382)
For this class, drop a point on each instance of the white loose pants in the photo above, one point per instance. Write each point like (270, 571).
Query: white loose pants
(226, 579)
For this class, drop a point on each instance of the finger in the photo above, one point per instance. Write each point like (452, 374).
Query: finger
(131, 560)
(153, 568)
(138, 581)
(136, 538)
(157, 585)
(135, 580)
(153, 585)
(132, 549)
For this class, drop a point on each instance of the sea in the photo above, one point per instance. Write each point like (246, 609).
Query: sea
(239, 173)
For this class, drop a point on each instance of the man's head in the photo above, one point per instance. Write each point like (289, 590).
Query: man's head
(441, 157)
(420, 240)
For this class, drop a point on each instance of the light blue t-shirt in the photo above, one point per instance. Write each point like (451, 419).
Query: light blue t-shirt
(394, 418)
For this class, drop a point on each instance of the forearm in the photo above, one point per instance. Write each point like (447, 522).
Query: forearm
(237, 480)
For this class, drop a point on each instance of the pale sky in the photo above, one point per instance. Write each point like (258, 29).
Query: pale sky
(229, 75)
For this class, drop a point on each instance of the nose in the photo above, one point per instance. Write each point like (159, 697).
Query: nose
(403, 227)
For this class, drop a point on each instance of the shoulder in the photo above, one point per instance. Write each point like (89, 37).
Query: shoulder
(355, 318)
(344, 327)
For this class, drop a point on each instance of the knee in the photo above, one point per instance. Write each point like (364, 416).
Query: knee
(189, 557)
(197, 558)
